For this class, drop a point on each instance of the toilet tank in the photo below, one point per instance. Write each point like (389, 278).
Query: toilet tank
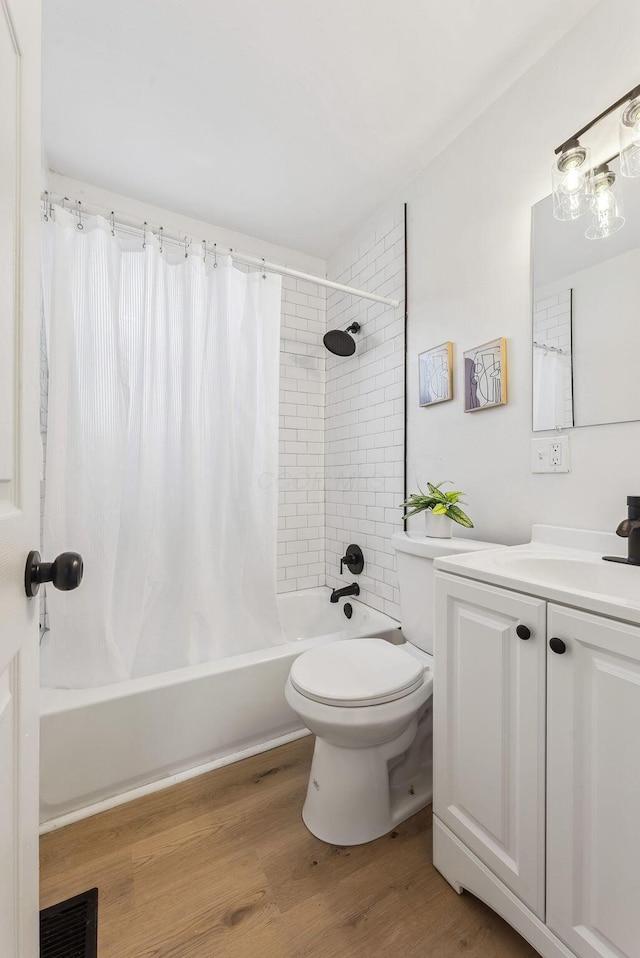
(414, 557)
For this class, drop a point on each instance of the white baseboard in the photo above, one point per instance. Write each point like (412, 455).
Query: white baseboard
(157, 786)
(464, 871)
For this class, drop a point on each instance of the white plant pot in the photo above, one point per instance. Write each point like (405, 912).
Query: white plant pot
(437, 527)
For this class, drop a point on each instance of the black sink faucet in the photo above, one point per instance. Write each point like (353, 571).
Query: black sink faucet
(353, 589)
(630, 529)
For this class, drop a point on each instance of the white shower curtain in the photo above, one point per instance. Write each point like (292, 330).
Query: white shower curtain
(161, 455)
(550, 379)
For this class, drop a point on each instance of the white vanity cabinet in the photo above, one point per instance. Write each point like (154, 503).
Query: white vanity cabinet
(489, 715)
(537, 766)
(593, 794)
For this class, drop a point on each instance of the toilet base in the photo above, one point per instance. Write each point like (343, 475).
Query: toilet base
(351, 799)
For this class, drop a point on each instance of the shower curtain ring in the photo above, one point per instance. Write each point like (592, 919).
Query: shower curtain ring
(161, 237)
(113, 223)
(204, 251)
(144, 235)
(215, 255)
(45, 213)
(79, 210)
(264, 275)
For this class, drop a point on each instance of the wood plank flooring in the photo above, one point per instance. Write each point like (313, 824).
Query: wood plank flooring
(222, 867)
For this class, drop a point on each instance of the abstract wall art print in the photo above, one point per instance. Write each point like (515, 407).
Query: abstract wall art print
(485, 375)
(435, 378)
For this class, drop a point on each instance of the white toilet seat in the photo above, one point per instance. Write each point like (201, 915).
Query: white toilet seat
(356, 673)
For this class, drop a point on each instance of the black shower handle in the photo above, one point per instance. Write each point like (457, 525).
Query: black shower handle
(349, 559)
(353, 559)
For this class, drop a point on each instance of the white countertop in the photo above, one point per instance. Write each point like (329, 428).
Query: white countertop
(563, 565)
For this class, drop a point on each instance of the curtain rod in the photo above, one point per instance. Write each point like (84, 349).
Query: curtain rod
(79, 208)
(548, 349)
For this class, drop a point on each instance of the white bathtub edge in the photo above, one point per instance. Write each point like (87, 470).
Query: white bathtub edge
(115, 800)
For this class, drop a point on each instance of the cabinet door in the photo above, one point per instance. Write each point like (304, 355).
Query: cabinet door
(489, 729)
(593, 800)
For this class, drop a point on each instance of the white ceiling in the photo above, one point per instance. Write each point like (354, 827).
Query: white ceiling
(288, 120)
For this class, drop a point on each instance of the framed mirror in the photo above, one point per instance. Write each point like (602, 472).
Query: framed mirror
(586, 317)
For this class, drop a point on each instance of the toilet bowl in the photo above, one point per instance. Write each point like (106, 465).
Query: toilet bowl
(363, 699)
(368, 702)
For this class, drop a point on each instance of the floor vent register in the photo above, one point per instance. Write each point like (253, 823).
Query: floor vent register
(70, 928)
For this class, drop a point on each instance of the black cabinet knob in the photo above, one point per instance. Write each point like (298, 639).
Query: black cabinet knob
(557, 645)
(65, 572)
(523, 632)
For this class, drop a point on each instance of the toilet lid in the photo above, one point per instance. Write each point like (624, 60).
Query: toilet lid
(356, 672)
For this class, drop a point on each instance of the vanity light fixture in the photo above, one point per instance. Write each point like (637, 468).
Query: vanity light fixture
(606, 205)
(629, 130)
(580, 189)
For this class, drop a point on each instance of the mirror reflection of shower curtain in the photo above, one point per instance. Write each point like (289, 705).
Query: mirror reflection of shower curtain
(162, 451)
(549, 390)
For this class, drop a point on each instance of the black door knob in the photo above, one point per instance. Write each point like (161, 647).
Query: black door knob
(523, 632)
(557, 645)
(65, 572)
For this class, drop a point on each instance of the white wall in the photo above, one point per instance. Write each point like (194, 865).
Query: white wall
(468, 247)
(364, 410)
(176, 223)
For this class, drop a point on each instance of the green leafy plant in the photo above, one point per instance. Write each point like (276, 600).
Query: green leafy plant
(439, 502)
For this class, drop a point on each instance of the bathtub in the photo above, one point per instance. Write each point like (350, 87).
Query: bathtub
(104, 746)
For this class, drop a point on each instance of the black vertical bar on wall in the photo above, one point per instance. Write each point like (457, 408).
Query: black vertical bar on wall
(406, 374)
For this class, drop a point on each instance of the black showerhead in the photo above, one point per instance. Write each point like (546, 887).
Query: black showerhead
(340, 343)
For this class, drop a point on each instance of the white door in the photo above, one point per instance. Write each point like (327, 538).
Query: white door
(593, 800)
(19, 472)
(489, 719)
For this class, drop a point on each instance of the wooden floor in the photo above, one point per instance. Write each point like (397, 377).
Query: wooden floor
(223, 867)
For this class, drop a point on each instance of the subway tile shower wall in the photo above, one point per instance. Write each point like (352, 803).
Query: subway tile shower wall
(301, 465)
(364, 413)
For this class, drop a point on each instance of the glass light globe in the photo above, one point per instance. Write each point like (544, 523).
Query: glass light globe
(572, 181)
(629, 132)
(606, 206)
(604, 201)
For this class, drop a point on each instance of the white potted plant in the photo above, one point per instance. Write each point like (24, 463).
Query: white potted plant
(441, 510)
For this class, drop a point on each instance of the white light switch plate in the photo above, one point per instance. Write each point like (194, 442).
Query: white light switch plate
(550, 454)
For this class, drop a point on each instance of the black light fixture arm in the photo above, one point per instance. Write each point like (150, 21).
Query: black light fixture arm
(573, 140)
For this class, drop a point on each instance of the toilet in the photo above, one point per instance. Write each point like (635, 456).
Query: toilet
(368, 702)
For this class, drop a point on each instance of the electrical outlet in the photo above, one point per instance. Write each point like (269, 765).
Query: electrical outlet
(550, 454)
